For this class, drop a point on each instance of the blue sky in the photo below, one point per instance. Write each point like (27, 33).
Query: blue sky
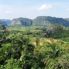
(33, 8)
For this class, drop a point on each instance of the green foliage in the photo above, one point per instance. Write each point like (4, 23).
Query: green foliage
(18, 51)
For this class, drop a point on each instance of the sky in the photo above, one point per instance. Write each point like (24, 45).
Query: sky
(32, 8)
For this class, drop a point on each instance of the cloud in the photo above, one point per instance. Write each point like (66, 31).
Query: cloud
(45, 7)
(8, 11)
(5, 9)
(67, 9)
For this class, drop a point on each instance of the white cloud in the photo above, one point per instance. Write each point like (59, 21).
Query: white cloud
(45, 7)
(8, 11)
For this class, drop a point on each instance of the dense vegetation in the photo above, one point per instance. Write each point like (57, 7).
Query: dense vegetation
(34, 47)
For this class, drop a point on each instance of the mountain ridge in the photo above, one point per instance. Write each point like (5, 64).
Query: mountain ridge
(38, 21)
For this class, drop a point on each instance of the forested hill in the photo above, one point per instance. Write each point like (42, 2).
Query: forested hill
(44, 20)
(38, 21)
(67, 19)
(21, 21)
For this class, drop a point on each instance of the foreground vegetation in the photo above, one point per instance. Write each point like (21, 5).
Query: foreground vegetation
(36, 48)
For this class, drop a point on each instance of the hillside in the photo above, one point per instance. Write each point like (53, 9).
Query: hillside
(5, 22)
(67, 19)
(24, 45)
(46, 20)
(38, 21)
(22, 21)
